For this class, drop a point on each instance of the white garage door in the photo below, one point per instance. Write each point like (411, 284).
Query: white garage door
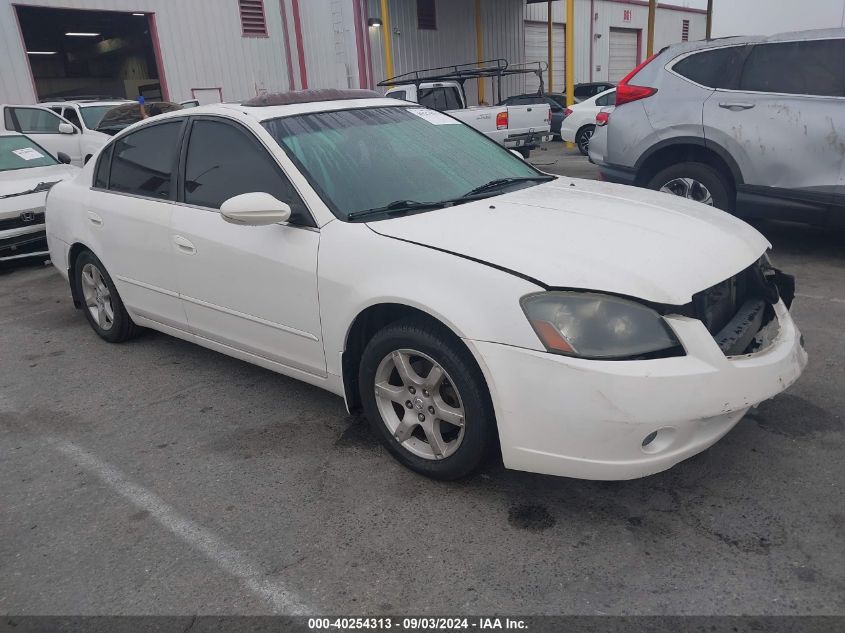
(623, 53)
(536, 50)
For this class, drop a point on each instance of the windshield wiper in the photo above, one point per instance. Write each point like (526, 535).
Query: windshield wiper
(41, 186)
(498, 183)
(395, 208)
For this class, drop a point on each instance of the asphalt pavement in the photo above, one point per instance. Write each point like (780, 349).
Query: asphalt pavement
(157, 477)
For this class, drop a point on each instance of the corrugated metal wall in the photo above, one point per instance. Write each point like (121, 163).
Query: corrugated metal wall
(453, 42)
(201, 47)
(607, 14)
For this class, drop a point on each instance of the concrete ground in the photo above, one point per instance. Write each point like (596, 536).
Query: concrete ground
(157, 477)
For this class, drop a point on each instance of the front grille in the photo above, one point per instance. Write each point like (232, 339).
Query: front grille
(23, 244)
(18, 222)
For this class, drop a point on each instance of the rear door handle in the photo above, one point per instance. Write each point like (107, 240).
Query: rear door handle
(184, 245)
(95, 219)
(736, 106)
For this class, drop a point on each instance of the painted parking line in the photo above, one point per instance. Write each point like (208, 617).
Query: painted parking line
(227, 558)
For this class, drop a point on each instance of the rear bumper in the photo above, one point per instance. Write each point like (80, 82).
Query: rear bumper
(616, 173)
(589, 419)
(529, 140)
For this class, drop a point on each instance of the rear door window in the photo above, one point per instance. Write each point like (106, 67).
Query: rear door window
(607, 100)
(440, 98)
(804, 68)
(398, 94)
(715, 68)
(144, 162)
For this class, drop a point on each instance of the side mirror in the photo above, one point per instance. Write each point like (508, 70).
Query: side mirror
(63, 158)
(517, 153)
(66, 128)
(255, 209)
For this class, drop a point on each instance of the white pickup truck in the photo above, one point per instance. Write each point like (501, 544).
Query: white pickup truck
(520, 127)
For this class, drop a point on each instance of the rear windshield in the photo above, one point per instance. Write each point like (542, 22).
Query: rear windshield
(19, 152)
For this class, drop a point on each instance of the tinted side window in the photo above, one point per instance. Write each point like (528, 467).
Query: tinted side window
(35, 121)
(144, 161)
(399, 94)
(101, 176)
(805, 68)
(224, 161)
(440, 98)
(713, 68)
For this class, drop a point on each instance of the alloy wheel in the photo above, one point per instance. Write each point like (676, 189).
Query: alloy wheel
(689, 188)
(584, 140)
(97, 296)
(419, 404)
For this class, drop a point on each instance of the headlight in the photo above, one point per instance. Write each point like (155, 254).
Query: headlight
(597, 326)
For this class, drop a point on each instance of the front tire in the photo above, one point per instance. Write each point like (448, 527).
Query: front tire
(582, 139)
(696, 181)
(426, 400)
(101, 303)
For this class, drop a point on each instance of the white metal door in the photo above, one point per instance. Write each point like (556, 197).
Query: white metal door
(536, 50)
(623, 53)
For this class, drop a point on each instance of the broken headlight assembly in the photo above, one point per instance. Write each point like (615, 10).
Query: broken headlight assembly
(599, 327)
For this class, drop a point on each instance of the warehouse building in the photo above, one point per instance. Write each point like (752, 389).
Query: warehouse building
(225, 50)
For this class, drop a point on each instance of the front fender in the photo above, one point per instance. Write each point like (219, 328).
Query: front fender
(359, 268)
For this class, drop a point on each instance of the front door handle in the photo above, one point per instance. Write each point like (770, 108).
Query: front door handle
(184, 245)
(736, 106)
(95, 219)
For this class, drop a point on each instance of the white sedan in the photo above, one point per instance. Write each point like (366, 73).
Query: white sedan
(579, 121)
(27, 172)
(465, 301)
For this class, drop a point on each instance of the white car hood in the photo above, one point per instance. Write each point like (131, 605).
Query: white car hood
(17, 180)
(582, 234)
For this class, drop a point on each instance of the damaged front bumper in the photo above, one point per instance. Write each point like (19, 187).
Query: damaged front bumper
(626, 419)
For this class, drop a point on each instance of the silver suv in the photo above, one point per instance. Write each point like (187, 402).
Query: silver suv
(754, 126)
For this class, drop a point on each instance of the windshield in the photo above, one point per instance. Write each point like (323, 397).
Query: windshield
(369, 158)
(92, 115)
(19, 152)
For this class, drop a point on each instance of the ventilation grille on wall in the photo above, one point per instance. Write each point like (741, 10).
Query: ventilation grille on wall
(253, 20)
(685, 31)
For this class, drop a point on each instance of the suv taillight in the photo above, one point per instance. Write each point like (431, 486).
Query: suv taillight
(549, 116)
(502, 120)
(626, 93)
(602, 118)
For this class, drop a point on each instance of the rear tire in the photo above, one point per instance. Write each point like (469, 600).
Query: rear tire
(696, 181)
(101, 303)
(449, 428)
(582, 139)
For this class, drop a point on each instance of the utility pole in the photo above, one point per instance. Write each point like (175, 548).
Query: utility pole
(709, 19)
(570, 52)
(549, 40)
(652, 10)
(386, 37)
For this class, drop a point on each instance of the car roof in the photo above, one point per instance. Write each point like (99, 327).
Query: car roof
(264, 113)
(791, 36)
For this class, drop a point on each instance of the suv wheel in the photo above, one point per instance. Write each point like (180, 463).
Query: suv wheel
(425, 398)
(695, 181)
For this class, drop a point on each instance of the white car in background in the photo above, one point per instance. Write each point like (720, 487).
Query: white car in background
(464, 300)
(579, 121)
(27, 172)
(86, 116)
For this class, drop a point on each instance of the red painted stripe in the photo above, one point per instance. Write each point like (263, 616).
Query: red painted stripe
(359, 45)
(288, 59)
(300, 49)
(165, 93)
